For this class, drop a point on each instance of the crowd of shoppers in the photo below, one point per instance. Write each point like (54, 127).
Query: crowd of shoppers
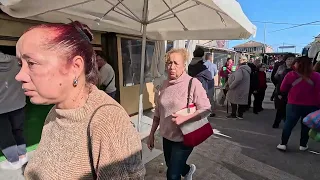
(83, 135)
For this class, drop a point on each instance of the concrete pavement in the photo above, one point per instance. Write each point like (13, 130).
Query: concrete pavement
(240, 150)
(246, 150)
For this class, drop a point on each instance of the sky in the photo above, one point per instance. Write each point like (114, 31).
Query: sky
(287, 11)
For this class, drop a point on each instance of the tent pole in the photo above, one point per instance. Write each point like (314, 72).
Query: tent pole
(143, 59)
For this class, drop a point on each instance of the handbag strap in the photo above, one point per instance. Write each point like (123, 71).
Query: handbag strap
(93, 170)
(189, 94)
(104, 87)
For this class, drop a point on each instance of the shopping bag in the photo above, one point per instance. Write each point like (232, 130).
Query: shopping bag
(315, 135)
(221, 97)
(312, 120)
(194, 132)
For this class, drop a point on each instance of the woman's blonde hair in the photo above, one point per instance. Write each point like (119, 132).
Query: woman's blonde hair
(184, 53)
(243, 58)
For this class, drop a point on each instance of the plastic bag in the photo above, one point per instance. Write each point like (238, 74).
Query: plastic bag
(221, 97)
(312, 120)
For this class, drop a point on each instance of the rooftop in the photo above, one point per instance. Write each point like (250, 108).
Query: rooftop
(249, 44)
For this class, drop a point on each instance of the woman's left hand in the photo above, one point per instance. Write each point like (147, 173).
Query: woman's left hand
(179, 119)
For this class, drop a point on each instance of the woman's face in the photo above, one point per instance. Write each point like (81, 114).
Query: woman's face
(241, 61)
(262, 68)
(175, 66)
(289, 61)
(45, 75)
(230, 61)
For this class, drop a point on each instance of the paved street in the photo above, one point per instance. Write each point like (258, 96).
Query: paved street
(239, 150)
(247, 151)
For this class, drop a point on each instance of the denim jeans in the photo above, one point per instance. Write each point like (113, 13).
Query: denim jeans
(176, 155)
(294, 113)
(12, 141)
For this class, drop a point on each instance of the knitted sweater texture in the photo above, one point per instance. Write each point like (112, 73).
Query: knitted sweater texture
(62, 153)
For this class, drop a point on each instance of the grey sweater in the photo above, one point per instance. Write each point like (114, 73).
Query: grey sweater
(11, 93)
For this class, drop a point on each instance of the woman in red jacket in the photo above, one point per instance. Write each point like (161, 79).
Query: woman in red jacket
(260, 93)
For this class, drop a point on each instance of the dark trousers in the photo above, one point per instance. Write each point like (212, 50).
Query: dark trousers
(12, 142)
(249, 100)
(237, 109)
(281, 111)
(258, 100)
(176, 155)
(293, 115)
(273, 93)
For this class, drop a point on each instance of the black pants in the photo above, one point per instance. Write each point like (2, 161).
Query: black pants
(12, 142)
(237, 109)
(281, 111)
(176, 155)
(258, 100)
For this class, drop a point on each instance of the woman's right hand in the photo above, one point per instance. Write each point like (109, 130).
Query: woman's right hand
(151, 141)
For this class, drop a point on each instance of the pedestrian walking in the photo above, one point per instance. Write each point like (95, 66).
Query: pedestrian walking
(303, 87)
(281, 98)
(274, 80)
(87, 134)
(175, 152)
(238, 92)
(12, 114)
(254, 81)
(204, 71)
(261, 90)
(208, 62)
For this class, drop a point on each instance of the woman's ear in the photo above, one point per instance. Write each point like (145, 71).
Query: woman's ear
(77, 65)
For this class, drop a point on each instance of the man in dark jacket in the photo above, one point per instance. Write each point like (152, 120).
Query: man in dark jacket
(198, 70)
(254, 80)
(273, 79)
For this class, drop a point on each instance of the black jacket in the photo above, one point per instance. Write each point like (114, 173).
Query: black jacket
(284, 95)
(254, 77)
(274, 71)
(200, 71)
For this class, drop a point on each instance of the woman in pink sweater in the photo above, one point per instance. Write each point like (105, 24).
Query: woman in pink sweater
(303, 87)
(173, 97)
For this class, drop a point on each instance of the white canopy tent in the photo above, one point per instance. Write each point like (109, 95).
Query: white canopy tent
(153, 19)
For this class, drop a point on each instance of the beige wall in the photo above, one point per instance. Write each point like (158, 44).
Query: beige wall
(129, 96)
(15, 28)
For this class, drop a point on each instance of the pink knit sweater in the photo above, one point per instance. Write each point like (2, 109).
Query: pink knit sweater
(303, 93)
(173, 97)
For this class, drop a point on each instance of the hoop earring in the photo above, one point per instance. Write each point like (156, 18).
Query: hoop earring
(75, 82)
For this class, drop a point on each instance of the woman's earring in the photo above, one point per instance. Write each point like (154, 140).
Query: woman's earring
(75, 82)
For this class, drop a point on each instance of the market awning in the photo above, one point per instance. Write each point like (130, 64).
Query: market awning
(167, 19)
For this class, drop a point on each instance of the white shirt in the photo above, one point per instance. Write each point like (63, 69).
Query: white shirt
(106, 75)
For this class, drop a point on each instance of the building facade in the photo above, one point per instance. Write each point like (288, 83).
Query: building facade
(253, 47)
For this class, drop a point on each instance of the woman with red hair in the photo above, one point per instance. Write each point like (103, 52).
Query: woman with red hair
(87, 134)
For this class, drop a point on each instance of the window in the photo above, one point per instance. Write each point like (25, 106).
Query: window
(131, 61)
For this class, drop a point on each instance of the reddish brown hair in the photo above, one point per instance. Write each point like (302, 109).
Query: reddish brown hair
(304, 66)
(316, 67)
(73, 39)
